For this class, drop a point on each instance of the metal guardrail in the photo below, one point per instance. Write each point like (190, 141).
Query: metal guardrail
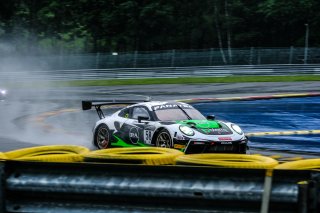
(91, 187)
(163, 72)
(166, 58)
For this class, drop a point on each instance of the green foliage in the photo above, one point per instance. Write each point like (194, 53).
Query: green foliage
(231, 79)
(74, 26)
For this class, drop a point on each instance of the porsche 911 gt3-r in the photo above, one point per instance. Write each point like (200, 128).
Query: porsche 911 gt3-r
(164, 124)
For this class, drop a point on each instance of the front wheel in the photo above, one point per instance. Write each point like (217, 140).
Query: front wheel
(102, 137)
(163, 139)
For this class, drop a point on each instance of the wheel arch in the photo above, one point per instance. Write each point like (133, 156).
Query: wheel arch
(157, 132)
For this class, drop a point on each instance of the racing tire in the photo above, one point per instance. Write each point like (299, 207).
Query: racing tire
(102, 137)
(135, 155)
(51, 153)
(228, 161)
(163, 139)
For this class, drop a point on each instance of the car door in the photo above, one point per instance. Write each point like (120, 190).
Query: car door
(140, 132)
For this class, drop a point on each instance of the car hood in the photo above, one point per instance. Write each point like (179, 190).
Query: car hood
(201, 124)
(207, 127)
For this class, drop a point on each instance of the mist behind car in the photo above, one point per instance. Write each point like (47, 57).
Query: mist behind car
(3, 94)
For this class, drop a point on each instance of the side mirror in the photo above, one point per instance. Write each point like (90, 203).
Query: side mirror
(211, 117)
(140, 118)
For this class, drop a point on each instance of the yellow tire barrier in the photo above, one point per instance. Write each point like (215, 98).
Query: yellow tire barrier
(228, 160)
(2, 156)
(301, 164)
(135, 155)
(52, 153)
(297, 132)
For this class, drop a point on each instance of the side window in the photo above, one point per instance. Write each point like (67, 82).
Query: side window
(139, 111)
(124, 113)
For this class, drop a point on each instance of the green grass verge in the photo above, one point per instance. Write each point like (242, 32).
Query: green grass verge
(200, 80)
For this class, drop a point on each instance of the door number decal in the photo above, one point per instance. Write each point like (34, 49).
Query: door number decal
(148, 136)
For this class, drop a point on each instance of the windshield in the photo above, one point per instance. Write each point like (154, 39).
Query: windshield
(177, 114)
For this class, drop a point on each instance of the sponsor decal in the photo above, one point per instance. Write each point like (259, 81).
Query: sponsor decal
(226, 142)
(171, 106)
(225, 138)
(181, 137)
(198, 143)
(207, 131)
(147, 136)
(179, 146)
(220, 131)
(134, 135)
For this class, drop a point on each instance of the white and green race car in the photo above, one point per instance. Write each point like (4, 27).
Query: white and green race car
(165, 124)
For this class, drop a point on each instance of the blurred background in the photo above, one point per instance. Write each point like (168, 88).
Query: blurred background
(76, 34)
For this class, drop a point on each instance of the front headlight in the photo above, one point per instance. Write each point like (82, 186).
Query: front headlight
(237, 129)
(3, 92)
(186, 130)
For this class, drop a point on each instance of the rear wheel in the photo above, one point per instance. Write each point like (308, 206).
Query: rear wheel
(102, 137)
(163, 139)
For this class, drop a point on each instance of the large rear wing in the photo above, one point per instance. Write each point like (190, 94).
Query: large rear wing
(97, 104)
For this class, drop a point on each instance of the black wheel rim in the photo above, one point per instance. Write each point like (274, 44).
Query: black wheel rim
(163, 140)
(102, 138)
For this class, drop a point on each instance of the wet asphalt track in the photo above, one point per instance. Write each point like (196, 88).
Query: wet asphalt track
(286, 116)
(25, 120)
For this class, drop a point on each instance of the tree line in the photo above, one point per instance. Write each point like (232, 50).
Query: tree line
(78, 26)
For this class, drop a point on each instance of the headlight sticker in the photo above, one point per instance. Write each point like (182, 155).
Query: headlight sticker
(237, 129)
(186, 130)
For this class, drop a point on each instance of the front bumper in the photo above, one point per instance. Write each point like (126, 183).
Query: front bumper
(194, 146)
